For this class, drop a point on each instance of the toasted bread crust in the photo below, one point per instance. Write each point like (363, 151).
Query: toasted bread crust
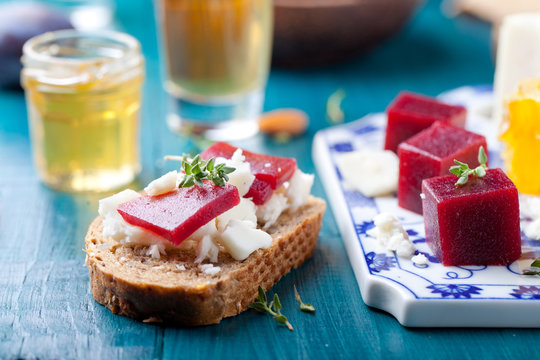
(132, 284)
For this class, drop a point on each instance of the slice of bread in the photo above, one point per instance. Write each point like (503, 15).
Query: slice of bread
(133, 284)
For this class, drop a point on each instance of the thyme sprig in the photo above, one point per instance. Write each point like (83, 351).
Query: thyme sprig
(196, 170)
(274, 308)
(535, 264)
(462, 170)
(303, 306)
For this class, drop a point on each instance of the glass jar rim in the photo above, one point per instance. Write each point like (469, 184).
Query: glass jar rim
(132, 46)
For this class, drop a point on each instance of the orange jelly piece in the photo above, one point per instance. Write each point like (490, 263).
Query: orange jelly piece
(521, 136)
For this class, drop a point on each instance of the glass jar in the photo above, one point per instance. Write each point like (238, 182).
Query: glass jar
(83, 93)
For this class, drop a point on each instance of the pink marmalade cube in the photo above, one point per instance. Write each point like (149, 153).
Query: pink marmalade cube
(431, 153)
(474, 224)
(411, 113)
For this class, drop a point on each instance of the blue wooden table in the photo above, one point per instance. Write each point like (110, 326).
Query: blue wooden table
(46, 308)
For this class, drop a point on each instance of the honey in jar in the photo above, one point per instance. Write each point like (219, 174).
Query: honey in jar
(83, 94)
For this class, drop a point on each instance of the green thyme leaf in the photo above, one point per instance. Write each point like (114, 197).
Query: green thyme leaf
(462, 170)
(307, 308)
(281, 319)
(303, 306)
(462, 180)
(262, 295)
(482, 157)
(258, 306)
(210, 164)
(276, 304)
(274, 308)
(535, 264)
(456, 170)
(198, 170)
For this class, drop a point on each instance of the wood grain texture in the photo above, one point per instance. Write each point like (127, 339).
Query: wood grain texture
(47, 311)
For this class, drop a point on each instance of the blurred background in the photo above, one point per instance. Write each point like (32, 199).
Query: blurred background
(370, 49)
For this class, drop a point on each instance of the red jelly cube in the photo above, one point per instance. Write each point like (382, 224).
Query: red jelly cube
(474, 224)
(177, 214)
(431, 153)
(270, 171)
(411, 113)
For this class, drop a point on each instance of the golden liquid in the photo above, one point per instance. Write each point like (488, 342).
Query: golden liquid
(521, 135)
(85, 137)
(216, 47)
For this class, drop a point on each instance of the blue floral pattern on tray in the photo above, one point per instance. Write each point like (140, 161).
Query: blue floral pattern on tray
(455, 290)
(527, 293)
(433, 280)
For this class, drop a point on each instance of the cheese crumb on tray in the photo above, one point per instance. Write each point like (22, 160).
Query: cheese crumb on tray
(372, 172)
(391, 235)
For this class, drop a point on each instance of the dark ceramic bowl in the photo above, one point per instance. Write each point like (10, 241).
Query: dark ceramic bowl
(318, 32)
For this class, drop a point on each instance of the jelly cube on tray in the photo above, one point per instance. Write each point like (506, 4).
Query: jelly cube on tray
(473, 224)
(177, 214)
(411, 113)
(270, 171)
(521, 127)
(431, 153)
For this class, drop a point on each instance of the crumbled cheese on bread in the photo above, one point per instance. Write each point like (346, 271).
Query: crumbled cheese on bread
(156, 250)
(241, 238)
(299, 189)
(241, 177)
(269, 212)
(162, 185)
(245, 210)
(210, 269)
(391, 235)
(207, 249)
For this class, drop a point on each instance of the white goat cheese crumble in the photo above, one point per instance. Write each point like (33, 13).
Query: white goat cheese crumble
(162, 185)
(530, 206)
(210, 269)
(299, 189)
(241, 238)
(372, 172)
(241, 177)
(391, 235)
(269, 212)
(420, 259)
(156, 250)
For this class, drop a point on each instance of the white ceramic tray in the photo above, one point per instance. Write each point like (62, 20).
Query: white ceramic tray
(429, 295)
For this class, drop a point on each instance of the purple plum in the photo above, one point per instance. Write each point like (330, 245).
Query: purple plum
(18, 23)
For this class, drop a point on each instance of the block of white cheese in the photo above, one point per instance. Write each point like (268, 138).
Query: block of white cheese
(162, 185)
(269, 212)
(372, 172)
(245, 210)
(518, 57)
(241, 177)
(241, 238)
(299, 189)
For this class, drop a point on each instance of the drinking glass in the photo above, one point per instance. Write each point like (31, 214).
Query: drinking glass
(216, 56)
